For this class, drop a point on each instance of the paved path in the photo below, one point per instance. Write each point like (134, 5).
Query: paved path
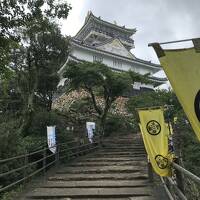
(118, 171)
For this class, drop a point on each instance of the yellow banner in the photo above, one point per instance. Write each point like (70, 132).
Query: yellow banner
(182, 67)
(155, 133)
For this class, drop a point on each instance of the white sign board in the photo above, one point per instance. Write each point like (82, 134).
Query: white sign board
(51, 138)
(90, 129)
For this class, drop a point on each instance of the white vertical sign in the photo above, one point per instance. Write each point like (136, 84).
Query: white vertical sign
(90, 129)
(51, 138)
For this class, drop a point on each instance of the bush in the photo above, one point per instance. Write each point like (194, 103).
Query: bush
(116, 124)
(189, 144)
(42, 119)
(11, 144)
(153, 98)
(83, 106)
(10, 139)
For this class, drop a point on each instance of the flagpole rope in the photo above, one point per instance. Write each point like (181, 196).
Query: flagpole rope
(175, 41)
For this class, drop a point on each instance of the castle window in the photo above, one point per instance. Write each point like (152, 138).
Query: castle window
(97, 58)
(117, 63)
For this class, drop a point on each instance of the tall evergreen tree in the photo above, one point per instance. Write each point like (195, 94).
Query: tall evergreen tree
(39, 51)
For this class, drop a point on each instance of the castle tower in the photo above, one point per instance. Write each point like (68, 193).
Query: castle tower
(109, 43)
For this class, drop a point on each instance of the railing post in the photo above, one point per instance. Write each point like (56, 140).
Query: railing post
(78, 149)
(150, 171)
(25, 164)
(44, 162)
(101, 141)
(179, 177)
(57, 156)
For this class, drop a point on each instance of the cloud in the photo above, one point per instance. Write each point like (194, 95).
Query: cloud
(75, 20)
(155, 20)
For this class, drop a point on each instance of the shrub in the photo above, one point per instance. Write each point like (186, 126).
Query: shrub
(116, 124)
(42, 119)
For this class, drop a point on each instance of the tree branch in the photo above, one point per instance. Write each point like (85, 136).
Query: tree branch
(99, 111)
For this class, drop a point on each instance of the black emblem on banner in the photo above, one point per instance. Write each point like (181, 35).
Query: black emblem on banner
(161, 161)
(153, 127)
(197, 105)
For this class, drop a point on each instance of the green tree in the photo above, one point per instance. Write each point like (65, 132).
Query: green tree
(41, 49)
(154, 98)
(136, 77)
(97, 79)
(20, 13)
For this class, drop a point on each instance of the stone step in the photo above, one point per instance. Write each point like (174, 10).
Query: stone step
(122, 150)
(122, 198)
(132, 154)
(127, 142)
(114, 139)
(102, 156)
(113, 159)
(123, 142)
(93, 184)
(108, 163)
(107, 198)
(119, 154)
(110, 176)
(88, 192)
(111, 148)
(115, 151)
(102, 169)
(116, 171)
(105, 144)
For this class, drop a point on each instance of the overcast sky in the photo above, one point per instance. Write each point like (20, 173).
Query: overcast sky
(155, 20)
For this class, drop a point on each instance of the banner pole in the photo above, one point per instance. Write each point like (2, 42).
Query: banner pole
(148, 108)
(153, 107)
(175, 41)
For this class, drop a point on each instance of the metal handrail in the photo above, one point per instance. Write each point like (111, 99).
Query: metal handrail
(21, 156)
(25, 178)
(187, 173)
(73, 154)
(43, 160)
(175, 186)
(32, 153)
(166, 188)
(178, 184)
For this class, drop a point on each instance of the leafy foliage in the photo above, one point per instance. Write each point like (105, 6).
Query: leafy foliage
(136, 77)
(185, 142)
(154, 98)
(117, 125)
(32, 50)
(21, 13)
(97, 78)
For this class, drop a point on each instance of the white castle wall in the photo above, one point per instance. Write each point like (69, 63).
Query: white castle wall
(84, 54)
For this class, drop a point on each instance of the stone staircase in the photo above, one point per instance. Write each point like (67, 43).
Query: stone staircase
(117, 171)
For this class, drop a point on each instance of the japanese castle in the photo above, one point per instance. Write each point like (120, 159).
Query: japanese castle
(106, 42)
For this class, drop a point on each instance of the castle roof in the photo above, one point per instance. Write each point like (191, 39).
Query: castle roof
(91, 18)
(134, 59)
(157, 80)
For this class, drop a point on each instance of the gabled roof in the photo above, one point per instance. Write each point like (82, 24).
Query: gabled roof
(91, 17)
(134, 60)
(157, 80)
(114, 45)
